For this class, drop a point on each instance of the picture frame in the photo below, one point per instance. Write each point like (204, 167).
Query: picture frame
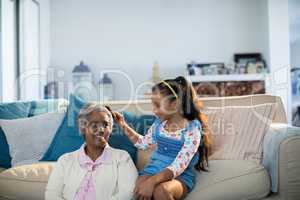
(244, 58)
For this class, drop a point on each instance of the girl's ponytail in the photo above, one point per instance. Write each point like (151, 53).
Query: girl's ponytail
(191, 108)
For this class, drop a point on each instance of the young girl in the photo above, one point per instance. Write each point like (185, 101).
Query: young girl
(177, 132)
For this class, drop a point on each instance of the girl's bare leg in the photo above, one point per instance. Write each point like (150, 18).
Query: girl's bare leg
(170, 190)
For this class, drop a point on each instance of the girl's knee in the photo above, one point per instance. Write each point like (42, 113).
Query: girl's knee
(161, 192)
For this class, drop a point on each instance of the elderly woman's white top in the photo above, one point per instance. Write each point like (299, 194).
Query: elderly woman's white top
(114, 179)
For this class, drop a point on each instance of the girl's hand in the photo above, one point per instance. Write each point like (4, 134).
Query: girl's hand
(119, 118)
(145, 189)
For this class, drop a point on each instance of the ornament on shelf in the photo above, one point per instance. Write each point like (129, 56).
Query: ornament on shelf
(155, 73)
(51, 90)
(251, 68)
(155, 78)
(83, 82)
(194, 68)
(106, 88)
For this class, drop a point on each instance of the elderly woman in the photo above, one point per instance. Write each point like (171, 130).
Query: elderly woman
(96, 170)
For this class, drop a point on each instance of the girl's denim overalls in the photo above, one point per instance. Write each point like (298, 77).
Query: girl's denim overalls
(166, 152)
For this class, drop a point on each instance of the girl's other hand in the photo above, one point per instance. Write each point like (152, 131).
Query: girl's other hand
(144, 190)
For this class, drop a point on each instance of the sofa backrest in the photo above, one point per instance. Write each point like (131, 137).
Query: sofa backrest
(250, 100)
(140, 107)
(144, 106)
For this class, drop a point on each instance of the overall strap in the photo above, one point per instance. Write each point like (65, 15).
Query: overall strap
(156, 127)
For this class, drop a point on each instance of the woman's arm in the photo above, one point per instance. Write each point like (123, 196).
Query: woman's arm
(127, 175)
(55, 184)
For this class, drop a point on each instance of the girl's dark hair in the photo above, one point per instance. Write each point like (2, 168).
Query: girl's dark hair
(191, 109)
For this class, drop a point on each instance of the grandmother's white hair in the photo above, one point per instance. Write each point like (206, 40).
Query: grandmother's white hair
(87, 110)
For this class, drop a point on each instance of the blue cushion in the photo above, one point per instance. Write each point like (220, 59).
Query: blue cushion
(45, 106)
(67, 137)
(144, 123)
(10, 111)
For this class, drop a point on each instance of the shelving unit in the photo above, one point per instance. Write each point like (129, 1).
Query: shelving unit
(224, 78)
(227, 77)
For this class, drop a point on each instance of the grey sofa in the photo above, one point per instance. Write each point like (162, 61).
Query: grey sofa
(227, 179)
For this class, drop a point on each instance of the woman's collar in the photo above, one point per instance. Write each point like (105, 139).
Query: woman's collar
(105, 157)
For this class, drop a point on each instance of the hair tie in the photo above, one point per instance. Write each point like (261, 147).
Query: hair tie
(172, 90)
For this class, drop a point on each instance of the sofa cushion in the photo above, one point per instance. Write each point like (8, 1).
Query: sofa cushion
(231, 180)
(48, 105)
(227, 180)
(238, 131)
(36, 132)
(27, 182)
(10, 111)
(67, 137)
(144, 123)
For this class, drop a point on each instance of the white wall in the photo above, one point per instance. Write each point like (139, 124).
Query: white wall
(294, 16)
(131, 35)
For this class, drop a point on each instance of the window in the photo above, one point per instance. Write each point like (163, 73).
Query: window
(20, 50)
(29, 80)
(8, 51)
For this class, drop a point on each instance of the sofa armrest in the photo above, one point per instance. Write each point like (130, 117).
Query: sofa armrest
(281, 150)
